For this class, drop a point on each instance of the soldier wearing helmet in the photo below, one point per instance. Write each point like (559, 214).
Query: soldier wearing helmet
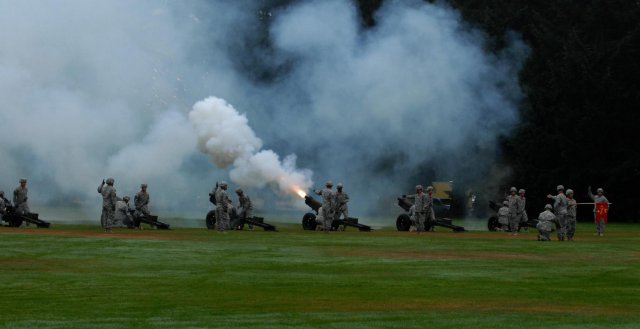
(3, 205)
(223, 204)
(141, 201)
(245, 207)
(546, 221)
(341, 198)
(123, 215)
(420, 204)
(560, 210)
(503, 216)
(515, 210)
(328, 205)
(598, 198)
(572, 205)
(109, 200)
(20, 198)
(524, 218)
(430, 216)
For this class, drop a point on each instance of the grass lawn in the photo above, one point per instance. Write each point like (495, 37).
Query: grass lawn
(73, 276)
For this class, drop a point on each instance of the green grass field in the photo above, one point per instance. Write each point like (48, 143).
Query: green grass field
(74, 276)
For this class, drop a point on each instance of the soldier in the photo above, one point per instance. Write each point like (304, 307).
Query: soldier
(560, 210)
(141, 201)
(3, 205)
(514, 210)
(572, 205)
(222, 207)
(342, 209)
(245, 207)
(546, 219)
(503, 216)
(524, 219)
(109, 200)
(600, 224)
(328, 202)
(123, 213)
(430, 215)
(20, 198)
(419, 204)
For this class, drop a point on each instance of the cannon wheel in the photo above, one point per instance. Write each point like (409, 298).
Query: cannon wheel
(403, 223)
(493, 224)
(211, 220)
(309, 222)
(14, 220)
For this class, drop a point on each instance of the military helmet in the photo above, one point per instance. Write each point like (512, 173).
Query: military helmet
(505, 203)
(328, 184)
(548, 206)
(222, 183)
(429, 188)
(521, 191)
(110, 181)
(1, 192)
(560, 188)
(239, 190)
(143, 185)
(569, 191)
(418, 187)
(599, 190)
(126, 198)
(339, 185)
(513, 189)
(23, 180)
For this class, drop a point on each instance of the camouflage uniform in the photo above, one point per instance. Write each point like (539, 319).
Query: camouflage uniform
(20, 198)
(327, 206)
(546, 219)
(245, 207)
(141, 201)
(222, 207)
(560, 210)
(123, 213)
(503, 216)
(515, 208)
(598, 199)
(109, 200)
(572, 205)
(341, 198)
(3, 205)
(420, 203)
(524, 219)
(430, 215)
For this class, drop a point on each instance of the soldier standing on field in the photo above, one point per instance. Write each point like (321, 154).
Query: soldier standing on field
(20, 198)
(571, 221)
(560, 210)
(429, 212)
(222, 207)
(141, 201)
(598, 199)
(514, 210)
(328, 204)
(419, 204)
(546, 220)
(245, 207)
(524, 219)
(342, 198)
(109, 200)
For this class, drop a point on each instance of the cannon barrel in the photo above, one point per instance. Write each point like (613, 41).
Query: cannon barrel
(312, 203)
(404, 203)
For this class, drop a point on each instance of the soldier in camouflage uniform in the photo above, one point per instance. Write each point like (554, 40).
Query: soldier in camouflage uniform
(515, 209)
(328, 205)
(598, 199)
(560, 210)
(524, 219)
(123, 213)
(503, 216)
(419, 204)
(222, 207)
(245, 207)
(141, 201)
(341, 200)
(3, 205)
(109, 200)
(429, 212)
(20, 198)
(546, 220)
(572, 205)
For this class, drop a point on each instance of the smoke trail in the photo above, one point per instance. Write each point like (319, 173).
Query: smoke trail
(224, 135)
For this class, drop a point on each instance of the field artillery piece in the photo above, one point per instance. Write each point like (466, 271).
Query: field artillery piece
(494, 225)
(139, 218)
(404, 221)
(15, 219)
(310, 221)
(237, 222)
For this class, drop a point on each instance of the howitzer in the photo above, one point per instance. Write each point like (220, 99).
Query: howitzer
(139, 218)
(493, 224)
(404, 221)
(310, 221)
(15, 219)
(236, 221)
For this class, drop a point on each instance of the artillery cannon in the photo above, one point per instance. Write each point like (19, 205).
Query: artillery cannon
(310, 221)
(15, 219)
(139, 218)
(494, 225)
(404, 221)
(236, 221)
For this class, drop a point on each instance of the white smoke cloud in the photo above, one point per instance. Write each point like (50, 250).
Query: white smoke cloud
(224, 134)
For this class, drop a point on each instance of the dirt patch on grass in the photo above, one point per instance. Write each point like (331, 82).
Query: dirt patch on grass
(117, 234)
